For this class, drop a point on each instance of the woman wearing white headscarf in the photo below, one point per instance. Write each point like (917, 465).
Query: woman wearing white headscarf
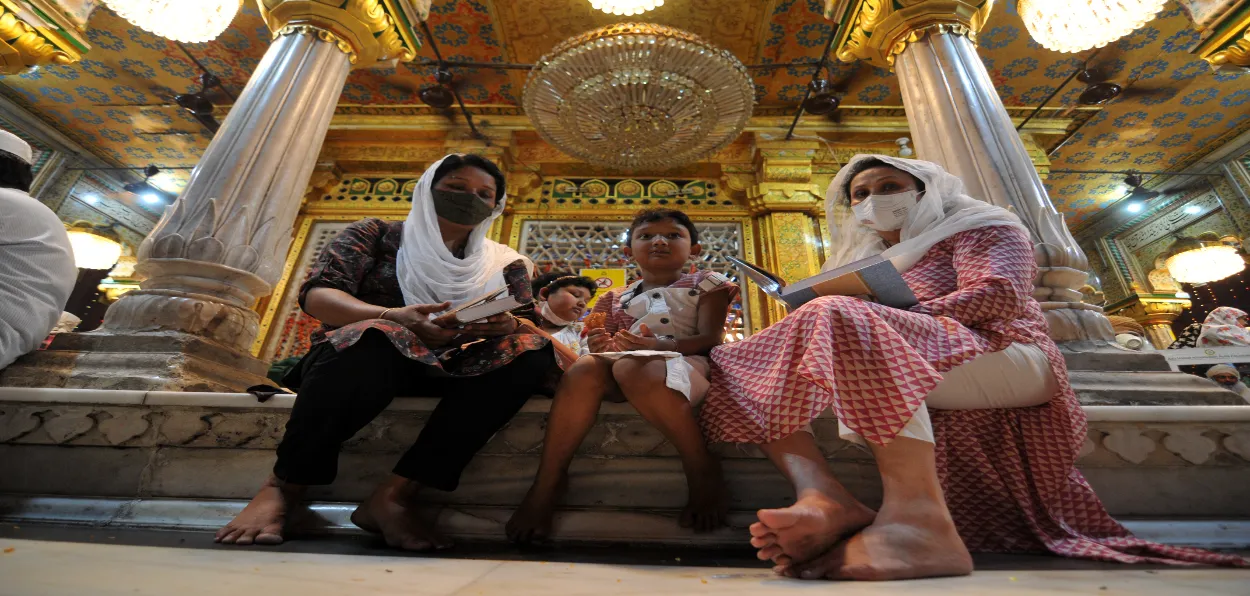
(992, 468)
(377, 289)
(1225, 326)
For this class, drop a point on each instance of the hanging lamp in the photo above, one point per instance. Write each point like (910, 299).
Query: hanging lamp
(1204, 259)
(94, 247)
(626, 8)
(188, 21)
(1078, 25)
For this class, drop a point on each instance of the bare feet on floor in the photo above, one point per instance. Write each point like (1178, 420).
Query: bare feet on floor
(918, 541)
(262, 521)
(532, 520)
(708, 505)
(808, 528)
(392, 512)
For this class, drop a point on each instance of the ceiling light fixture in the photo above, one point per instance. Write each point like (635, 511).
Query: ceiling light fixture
(1133, 207)
(639, 95)
(1203, 259)
(626, 8)
(1193, 209)
(94, 247)
(1078, 25)
(188, 21)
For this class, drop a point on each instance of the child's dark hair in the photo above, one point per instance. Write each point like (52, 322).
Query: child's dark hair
(456, 161)
(562, 279)
(660, 214)
(868, 164)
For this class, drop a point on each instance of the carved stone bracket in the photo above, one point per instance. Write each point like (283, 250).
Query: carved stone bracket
(25, 45)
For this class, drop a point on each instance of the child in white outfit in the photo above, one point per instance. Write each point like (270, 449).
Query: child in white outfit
(651, 348)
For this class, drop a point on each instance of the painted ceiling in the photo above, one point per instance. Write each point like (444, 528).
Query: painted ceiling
(118, 100)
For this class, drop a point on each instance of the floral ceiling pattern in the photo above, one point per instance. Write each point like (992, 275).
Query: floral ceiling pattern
(118, 101)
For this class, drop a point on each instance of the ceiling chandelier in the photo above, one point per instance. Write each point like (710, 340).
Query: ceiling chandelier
(626, 8)
(1203, 259)
(94, 247)
(1078, 25)
(188, 21)
(639, 95)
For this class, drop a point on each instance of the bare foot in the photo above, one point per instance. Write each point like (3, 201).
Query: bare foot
(262, 521)
(532, 520)
(919, 541)
(808, 528)
(391, 511)
(708, 505)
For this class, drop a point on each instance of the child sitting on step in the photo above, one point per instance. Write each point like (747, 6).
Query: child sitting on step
(562, 299)
(651, 348)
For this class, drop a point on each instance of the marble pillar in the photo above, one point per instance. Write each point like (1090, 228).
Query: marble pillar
(222, 245)
(958, 120)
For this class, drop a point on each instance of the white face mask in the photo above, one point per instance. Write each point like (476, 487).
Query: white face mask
(544, 309)
(886, 213)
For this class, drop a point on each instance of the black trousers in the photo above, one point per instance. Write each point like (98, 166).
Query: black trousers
(342, 391)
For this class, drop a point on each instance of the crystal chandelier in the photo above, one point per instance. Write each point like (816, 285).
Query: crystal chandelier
(626, 8)
(1203, 259)
(638, 95)
(1078, 25)
(188, 21)
(94, 248)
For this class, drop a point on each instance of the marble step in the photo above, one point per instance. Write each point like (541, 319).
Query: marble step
(1170, 461)
(486, 524)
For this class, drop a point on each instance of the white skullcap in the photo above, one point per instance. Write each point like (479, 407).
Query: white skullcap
(1226, 369)
(15, 145)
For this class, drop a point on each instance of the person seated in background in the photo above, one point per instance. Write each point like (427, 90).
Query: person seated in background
(561, 301)
(1228, 377)
(1225, 326)
(37, 271)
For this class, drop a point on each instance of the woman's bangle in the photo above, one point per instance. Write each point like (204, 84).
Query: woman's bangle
(383, 315)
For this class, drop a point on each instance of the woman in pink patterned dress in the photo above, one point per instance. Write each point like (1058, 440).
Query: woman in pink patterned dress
(991, 468)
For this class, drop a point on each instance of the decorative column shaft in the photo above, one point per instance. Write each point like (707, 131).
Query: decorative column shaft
(222, 244)
(958, 121)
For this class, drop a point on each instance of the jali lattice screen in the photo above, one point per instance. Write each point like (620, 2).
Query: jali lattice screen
(575, 245)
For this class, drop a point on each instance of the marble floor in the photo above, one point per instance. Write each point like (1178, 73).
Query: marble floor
(105, 563)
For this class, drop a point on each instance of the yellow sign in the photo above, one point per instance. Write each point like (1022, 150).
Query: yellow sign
(606, 279)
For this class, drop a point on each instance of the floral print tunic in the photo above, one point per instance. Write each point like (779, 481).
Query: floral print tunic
(361, 261)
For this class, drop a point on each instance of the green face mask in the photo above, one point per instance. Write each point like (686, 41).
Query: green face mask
(462, 208)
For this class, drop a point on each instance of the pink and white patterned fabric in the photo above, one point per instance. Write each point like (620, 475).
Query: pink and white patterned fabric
(1223, 328)
(1009, 475)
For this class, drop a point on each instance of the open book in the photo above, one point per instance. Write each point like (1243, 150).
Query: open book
(515, 294)
(874, 277)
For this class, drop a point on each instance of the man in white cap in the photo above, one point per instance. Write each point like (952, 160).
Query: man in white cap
(37, 270)
(1228, 377)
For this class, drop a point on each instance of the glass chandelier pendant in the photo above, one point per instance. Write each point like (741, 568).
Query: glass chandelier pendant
(639, 95)
(188, 21)
(626, 8)
(1203, 259)
(1078, 25)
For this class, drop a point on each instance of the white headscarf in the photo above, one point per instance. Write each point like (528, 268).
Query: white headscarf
(429, 273)
(945, 209)
(1221, 328)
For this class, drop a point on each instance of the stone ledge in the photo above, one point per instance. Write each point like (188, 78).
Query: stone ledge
(652, 527)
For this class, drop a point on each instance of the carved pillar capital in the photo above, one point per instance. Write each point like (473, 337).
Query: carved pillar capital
(368, 31)
(783, 177)
(879, 30)
(1229, 46)
(27, 40)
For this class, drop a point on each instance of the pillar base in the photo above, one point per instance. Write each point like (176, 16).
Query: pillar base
(158, 361)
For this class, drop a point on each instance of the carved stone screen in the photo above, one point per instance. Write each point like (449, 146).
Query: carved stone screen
(576, 245)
